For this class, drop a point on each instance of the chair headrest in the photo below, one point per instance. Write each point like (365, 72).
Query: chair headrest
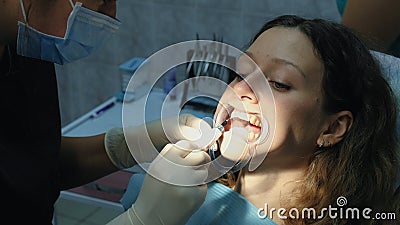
(390, 66)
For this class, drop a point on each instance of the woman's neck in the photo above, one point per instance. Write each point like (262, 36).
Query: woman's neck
(272, 185)
(273, 181)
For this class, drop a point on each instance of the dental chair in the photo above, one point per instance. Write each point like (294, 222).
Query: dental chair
(390, 66)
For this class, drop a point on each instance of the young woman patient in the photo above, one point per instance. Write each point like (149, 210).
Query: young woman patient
(335, 122)
(332, 139)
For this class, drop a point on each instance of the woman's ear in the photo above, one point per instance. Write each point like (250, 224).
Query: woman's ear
(340, 124)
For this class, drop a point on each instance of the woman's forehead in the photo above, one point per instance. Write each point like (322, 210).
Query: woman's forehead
(288, 45)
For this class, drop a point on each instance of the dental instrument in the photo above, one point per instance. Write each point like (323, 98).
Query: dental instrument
(221, 127)
(212, 149)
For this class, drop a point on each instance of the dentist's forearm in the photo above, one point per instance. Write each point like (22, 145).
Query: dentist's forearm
(82, 160)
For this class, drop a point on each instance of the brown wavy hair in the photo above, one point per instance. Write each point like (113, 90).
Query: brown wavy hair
(364, 166)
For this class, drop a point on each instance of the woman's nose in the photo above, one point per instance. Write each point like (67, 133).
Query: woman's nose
(244, 91)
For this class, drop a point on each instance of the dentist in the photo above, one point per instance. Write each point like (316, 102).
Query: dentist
(36, 163)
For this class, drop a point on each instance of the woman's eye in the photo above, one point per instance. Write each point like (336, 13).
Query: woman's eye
(279, 86)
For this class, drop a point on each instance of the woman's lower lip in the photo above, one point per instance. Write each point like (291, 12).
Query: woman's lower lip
(254, 133)
(255, 129)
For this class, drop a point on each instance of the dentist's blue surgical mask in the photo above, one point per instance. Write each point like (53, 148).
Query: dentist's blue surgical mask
(86, 31)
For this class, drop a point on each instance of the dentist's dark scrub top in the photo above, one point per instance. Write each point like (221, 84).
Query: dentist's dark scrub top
(30, 135)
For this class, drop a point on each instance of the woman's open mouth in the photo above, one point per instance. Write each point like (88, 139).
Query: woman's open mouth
(251, 122)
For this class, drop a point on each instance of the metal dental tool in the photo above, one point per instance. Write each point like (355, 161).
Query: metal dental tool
(221, 127)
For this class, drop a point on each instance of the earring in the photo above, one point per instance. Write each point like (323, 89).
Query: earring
(321, 144)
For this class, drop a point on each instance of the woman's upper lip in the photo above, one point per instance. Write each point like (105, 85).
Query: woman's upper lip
(247, 112)
(226, 112)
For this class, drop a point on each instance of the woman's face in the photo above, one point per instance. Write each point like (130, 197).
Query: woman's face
(294, 73)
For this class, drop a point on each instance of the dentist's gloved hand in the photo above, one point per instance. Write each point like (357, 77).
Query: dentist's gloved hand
(145, 138)
(164, 203)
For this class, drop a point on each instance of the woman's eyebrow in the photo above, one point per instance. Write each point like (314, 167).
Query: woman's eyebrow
(284, 61)
(280, 61)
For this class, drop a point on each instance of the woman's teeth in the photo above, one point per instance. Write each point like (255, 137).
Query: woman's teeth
(254, 120)
(244, 119)
(251, 118)
(252, 136)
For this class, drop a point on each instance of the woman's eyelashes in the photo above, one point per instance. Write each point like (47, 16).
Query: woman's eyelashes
(276, 85)
(279, 86)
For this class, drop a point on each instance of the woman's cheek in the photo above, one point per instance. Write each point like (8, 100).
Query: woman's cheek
(283, 122)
